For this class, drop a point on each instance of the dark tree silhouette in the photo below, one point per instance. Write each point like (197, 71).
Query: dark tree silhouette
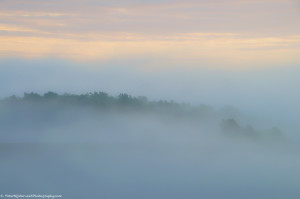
(101, 101)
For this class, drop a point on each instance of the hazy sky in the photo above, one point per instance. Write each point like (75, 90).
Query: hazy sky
(232, 32)
(243, 53)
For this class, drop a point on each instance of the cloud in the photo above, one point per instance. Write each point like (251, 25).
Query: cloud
(162, 17)
(30, 14)
(14, 29)
(227, 49)
(228, 31)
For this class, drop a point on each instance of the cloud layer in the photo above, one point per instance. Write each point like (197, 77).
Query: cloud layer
(232, 31)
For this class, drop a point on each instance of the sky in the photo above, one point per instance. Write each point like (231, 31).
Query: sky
(231, 32)
(243, 53)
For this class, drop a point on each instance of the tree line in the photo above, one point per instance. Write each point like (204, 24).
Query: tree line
(124, 102)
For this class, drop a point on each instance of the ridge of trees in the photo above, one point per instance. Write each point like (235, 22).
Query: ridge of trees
(231, 128)
(123, 101)
(126, 102)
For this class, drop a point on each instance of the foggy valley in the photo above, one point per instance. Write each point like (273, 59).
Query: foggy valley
(129, 147)
(140, 99)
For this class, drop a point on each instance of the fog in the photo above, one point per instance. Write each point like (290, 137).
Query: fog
(140, 99)
(267, 93)
(80, 150)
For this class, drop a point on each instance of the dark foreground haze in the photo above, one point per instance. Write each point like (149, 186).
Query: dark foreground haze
(98, 146)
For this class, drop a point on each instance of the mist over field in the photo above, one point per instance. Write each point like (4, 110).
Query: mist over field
(102, 146)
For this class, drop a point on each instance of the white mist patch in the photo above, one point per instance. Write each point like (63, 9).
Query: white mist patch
(121, 153)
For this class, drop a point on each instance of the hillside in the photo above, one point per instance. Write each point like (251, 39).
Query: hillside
(37, 113)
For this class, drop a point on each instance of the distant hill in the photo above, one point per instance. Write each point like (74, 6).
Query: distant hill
(44, 108)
